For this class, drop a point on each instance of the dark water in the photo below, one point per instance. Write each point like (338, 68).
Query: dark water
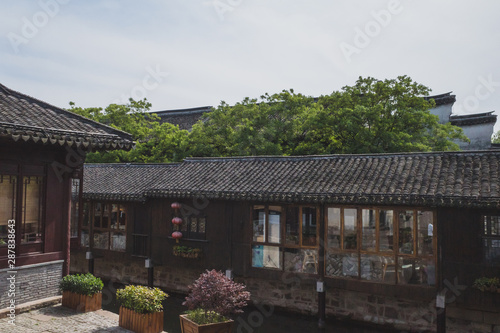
(254, 320)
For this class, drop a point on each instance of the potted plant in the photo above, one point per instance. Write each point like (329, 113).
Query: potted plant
(487, 284)
(212, 297)
(82, 292)
(186, 252)
(141, 309)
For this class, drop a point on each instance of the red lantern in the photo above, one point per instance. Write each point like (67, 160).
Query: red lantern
(177, 235)
(175, 205)
(177, 220)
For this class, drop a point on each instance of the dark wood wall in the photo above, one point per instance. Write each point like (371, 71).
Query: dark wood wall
(462, 245)
(38, 159)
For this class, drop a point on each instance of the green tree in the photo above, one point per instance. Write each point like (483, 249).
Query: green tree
(155, 142)
(371, 116)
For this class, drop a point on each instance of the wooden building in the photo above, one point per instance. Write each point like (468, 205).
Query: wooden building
(42, 149)
(373, 238)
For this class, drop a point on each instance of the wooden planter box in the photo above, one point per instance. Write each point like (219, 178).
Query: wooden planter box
(188, 326)
(141, 323)
(191, 255)
(82, 303)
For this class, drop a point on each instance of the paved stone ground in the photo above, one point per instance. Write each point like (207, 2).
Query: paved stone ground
(59, 319)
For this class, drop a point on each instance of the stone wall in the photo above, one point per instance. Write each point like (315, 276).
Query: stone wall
(33, 282)
(297, 293)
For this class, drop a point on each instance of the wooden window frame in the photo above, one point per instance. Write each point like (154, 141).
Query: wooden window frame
(486, 235)
(282, 245)
(21, 171)
(92, 228)
(394, 254)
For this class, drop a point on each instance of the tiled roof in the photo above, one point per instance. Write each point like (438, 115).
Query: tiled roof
(465, 179)
(25, 118)
(121, 182)
(474, 119)
(442, 99)
(185, 118)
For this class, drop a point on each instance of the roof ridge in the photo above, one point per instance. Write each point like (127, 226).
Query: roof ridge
(333, 156)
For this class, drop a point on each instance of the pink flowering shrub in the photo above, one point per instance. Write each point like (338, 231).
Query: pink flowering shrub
(216, 295)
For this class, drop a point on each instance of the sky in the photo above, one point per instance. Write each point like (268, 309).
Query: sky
(191, 53)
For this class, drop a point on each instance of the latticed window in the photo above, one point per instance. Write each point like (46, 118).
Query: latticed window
(491, 239)
(105, 225)
(8, 188)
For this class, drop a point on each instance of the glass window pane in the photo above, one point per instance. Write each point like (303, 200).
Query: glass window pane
(86, 214)
(333, 228)
(369, 239)
(405, 242)
(118, 241)
(416, 271)
(7, 205)
(101, 240)
(266, 256)
(345, 265)
(32, 209)
(373, 268)
(495, 225)
(97, 214)
(425, 232)
(274, 224)
(259, 224)
(85, 238)
(202, 224)
(75, 206)
(122, 219)
(386, 230)
(292, 226)
(301, 261)
(350, 229)
(114, 216)
(194, 224)
(308, 226)
(105, 216)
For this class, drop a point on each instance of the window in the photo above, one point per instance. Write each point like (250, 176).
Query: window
(75, 203)
(285, 238)
(104, 224)
(193, 226)
(383, 245)
(8, 188)
(31, 220)
(491, 239)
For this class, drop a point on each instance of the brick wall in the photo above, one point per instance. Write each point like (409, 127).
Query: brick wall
(32, 282)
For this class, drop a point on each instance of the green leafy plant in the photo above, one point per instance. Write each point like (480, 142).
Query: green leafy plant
(141, 299)
(213, 296)
(487, 284)
(186, 251)
(201, 318)
(84, 284)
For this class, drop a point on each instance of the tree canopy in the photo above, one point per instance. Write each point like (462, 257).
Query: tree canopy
(372, 116)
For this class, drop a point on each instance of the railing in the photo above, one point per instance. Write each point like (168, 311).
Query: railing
(140, 245)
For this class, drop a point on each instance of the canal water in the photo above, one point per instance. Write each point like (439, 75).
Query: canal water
(254, 320)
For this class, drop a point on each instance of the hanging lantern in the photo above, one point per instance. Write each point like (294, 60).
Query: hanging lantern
(177, 235)
(177, 220)
(175, 205)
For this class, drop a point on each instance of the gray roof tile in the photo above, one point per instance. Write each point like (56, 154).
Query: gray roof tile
(25, 118)
(428, 179)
